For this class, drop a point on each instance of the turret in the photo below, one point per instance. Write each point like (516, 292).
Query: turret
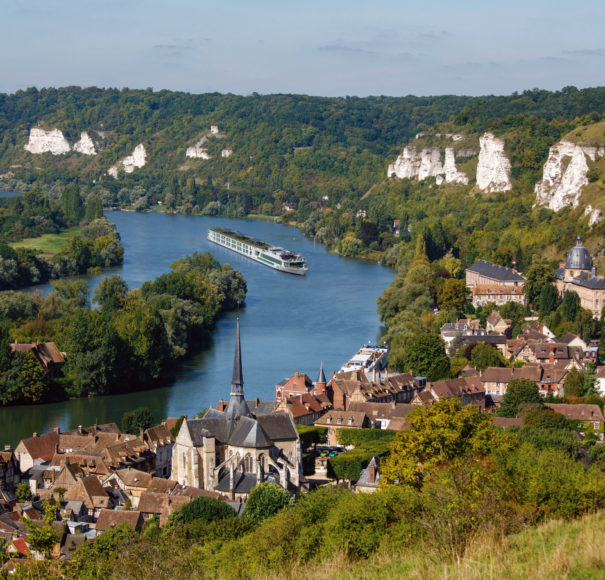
(320, 383)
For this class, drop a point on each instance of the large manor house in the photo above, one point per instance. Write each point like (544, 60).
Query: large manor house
(497, 284)
(233, 450)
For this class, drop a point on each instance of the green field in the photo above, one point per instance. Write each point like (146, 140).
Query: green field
(48, 243)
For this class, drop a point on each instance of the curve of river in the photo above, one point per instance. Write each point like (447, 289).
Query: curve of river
(289, 323)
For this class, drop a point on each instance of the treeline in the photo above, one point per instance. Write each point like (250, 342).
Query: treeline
(125, 344)
(450, 482)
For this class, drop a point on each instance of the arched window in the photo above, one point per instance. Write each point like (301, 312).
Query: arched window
(248, 463)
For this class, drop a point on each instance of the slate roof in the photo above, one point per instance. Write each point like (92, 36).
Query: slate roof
(249, 433)
(579, 257)
(495, 272)
(364, 476)
(278, 426)
(242, 482)
(587, 280)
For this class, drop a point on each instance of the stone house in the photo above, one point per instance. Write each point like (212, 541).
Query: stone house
(9, 470)
(110, 518)
(495, 324)
(469, 390)
(160, 442)
(590, 416)
(337, 419)
(91, 492)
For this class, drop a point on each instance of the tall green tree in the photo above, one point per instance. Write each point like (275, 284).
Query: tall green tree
(539, 274)
(424, 355)
(519, 391)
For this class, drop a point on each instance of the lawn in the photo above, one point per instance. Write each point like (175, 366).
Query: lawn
(48, 243)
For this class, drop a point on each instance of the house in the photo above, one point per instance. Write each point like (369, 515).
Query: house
(231, 451)
(297, 384)
(68, 475)
(548, 376)
(47, 353)
(391, 416)
(495, 324)
(337, 419)
(450, 331)
(497, 294)
(496, 340)
(469, 390)
(484, 273)
(36, 449)
(369, 477)
(91, 492)
(590, 416)
(160, 505)
(571, 339)
(9, 469)
(580, 275)
(600, 383)
(354, 386)
(160, 442)
(110, 518)
(306, 408)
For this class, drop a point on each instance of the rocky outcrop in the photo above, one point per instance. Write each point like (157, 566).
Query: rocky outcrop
(411, 164)
(595, 216)
(138, 158)
(41, 141)
(493, 168)
(198, 151)
(226, 152)
(85, 145)
(452, 175)
(564, 176)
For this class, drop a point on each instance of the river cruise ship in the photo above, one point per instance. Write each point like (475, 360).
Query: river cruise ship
(267, 254)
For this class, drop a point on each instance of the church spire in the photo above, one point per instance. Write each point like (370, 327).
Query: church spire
(237, 406)
(238, 379)
(321, 378)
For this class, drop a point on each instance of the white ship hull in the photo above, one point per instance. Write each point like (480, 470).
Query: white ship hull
(262, 252)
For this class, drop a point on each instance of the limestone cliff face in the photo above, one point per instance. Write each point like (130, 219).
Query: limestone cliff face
(85, 145)
(199, 151)
(41, 141)
(564, 176)
(138, 158)
(411, 164)
(493, 169)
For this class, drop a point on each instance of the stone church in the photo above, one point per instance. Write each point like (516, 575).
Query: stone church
(232, 451)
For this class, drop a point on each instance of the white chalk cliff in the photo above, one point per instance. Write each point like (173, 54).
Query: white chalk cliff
(85, 145)
(411, 164)
(138, 158)
(41, 141)
(564, 176)
(198, 151)
(493, 168)
(595, 216)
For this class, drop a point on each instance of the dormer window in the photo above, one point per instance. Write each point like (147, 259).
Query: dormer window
(339, 420)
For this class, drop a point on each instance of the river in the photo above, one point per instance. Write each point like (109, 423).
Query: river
(289, 323)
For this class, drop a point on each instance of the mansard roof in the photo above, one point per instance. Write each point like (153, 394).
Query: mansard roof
(495, 272)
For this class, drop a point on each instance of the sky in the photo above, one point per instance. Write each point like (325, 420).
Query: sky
(315, 47)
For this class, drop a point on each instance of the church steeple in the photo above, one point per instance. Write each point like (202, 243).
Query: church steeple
(320, 384)
(237, 406)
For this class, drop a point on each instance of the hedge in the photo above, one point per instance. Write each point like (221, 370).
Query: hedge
(311, 435)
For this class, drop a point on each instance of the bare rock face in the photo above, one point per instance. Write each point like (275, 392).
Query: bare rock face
(41, 141)
(452, 175)
(493, 169)
(411, 164)
(595, 216)
(226, 152)
(138, 158)
(564, 175)
(85, 145)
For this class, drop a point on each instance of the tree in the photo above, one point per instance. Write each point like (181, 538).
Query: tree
(548, 300)
(570, 306)
(547, 419)
(74, 292)
(484, 355)
(574, 383)
(23, 492)
(451, 295)
(135, 421)
(32, 378)
(110, 293)
(439, 433)
(265, 500)
(424, 355)
(43, 537)
(539, 274)
(94, 209)
(518, 391)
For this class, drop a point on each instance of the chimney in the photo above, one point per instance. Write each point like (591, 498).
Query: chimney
(372, 472)
(35, 434)
(374, 375)
(8, 448)
(80, 429)
(57, 430)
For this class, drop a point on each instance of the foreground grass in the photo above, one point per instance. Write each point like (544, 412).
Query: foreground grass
(557, 549)
(49, 244)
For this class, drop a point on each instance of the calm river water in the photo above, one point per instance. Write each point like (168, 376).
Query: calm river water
(289, 323)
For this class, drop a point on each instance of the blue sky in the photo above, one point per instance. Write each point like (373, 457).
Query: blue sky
(329, 47)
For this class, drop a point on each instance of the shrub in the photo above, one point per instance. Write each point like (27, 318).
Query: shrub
(265, 500)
